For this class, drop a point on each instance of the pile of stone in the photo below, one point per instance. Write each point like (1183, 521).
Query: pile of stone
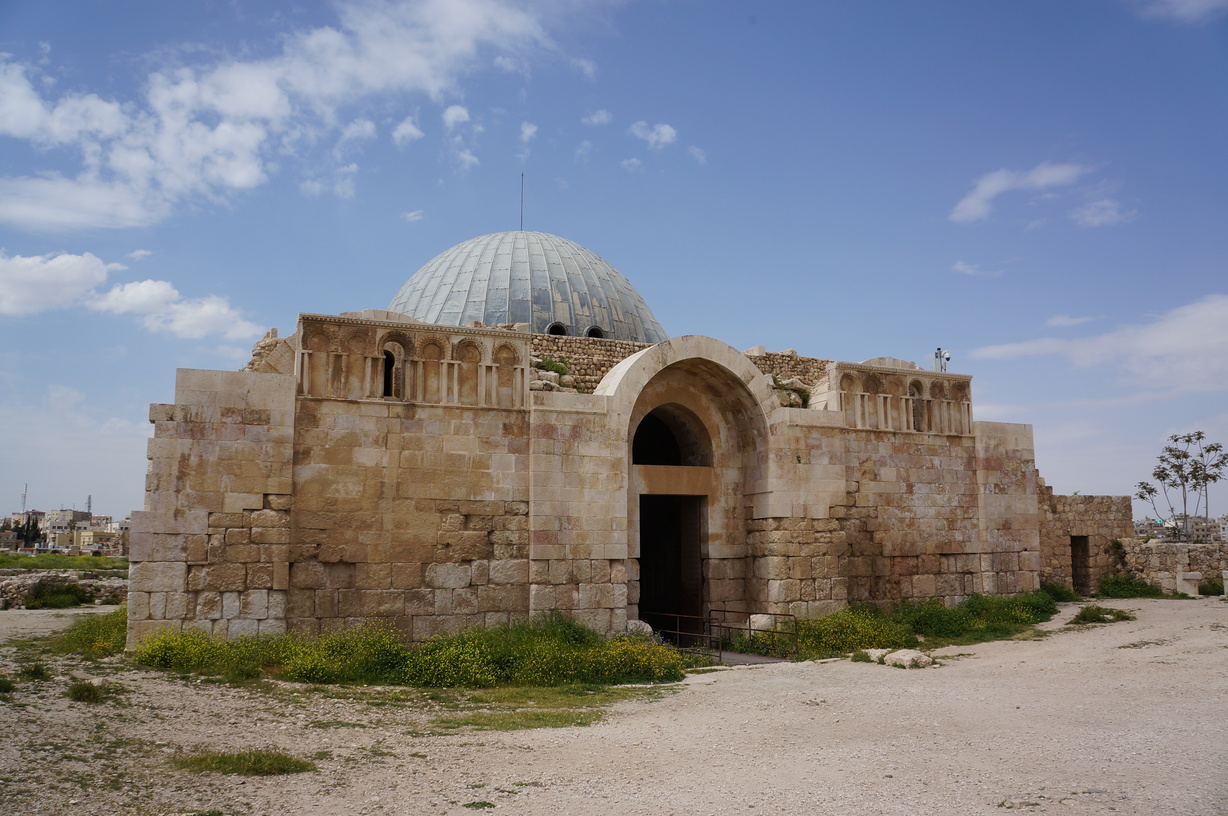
(541, 380)
(17, 585)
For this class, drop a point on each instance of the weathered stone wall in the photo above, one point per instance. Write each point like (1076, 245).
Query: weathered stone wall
(413, 514)
(220, 478)
(407, 474)
(1101, 519)
(1158, 562)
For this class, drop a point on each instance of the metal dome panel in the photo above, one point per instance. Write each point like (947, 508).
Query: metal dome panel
(528, 277)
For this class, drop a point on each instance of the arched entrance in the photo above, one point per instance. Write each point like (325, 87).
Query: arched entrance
(671, 452)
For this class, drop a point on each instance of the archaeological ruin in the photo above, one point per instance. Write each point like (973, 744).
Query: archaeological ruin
(516, 434)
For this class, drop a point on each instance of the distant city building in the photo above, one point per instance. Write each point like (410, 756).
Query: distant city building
(1201, 528)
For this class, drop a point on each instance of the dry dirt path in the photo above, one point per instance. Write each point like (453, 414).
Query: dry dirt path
(1125, 718)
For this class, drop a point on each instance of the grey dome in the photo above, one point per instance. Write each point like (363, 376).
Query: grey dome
(554, 285)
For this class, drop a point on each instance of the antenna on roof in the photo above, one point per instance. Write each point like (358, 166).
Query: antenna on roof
(522, 202)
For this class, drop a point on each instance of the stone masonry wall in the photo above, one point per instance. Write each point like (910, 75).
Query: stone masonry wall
(1102, 519)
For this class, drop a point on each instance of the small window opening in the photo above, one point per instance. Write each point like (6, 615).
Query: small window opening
(556, 328)
(594, 331)
(390, 366)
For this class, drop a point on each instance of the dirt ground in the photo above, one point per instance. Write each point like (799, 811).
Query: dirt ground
(1123, 718)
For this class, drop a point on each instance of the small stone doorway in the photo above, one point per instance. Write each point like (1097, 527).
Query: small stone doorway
(671, 562)
(1080, 565)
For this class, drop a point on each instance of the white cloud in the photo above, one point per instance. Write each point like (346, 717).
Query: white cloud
(311, 188)
(598, 117)
(406, 132)
(160, 308)
(586, 67)
(455, 115)
(411, 217)
(698, 154)
(1184, 11)
(33, 284)
(974, 270)
(657, 136)
(977, 204)
(583, 151)
(631, 165)
(466, 159)
(139, 254)
(343, 181)
(1184, 349)
(210, 130)
(527, 131)
(1102, 213)
(1063, 321)
(360, 130)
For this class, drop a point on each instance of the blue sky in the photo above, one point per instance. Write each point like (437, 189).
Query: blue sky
(1036, 185)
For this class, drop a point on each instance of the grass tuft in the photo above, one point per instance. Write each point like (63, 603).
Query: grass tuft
(83, 691)
(1211, 586)
(244, 763)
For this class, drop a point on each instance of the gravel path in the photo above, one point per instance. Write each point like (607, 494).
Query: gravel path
(1124, 718)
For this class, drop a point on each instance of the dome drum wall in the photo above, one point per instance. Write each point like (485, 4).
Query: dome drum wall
(554, 285)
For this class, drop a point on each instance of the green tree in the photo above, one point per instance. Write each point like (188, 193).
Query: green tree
(1187, 467)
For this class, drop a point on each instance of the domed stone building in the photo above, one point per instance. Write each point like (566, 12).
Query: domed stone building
(516, 433)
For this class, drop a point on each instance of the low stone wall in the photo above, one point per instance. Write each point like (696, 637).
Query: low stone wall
(1158, 562)
(588, 358)
(16, 585)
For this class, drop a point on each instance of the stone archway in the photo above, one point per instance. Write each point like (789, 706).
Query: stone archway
(697, 418)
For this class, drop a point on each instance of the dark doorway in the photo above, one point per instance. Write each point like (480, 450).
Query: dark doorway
(671, 568)
(1080, 565)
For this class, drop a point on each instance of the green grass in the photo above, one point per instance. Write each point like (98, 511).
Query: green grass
(1099, 614)
(95, 635)
(55, 561)
(550, 651)
(243, 763)
(908, 624)
(34, 671)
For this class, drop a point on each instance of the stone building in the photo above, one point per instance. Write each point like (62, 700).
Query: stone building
(431, 466)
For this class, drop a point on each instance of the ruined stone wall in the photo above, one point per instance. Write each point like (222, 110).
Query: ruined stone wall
(210, 549)
(1158, 562)
(588, 358)
(1102, 519)
(787, 364)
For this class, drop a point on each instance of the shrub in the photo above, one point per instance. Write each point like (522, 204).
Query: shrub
(1211, 586)
(1099, 614)
(933, 618)
(559, 366)
(6, 685)
(1060, 593)
(96, 635)
(1127, 586)
(58, 596)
